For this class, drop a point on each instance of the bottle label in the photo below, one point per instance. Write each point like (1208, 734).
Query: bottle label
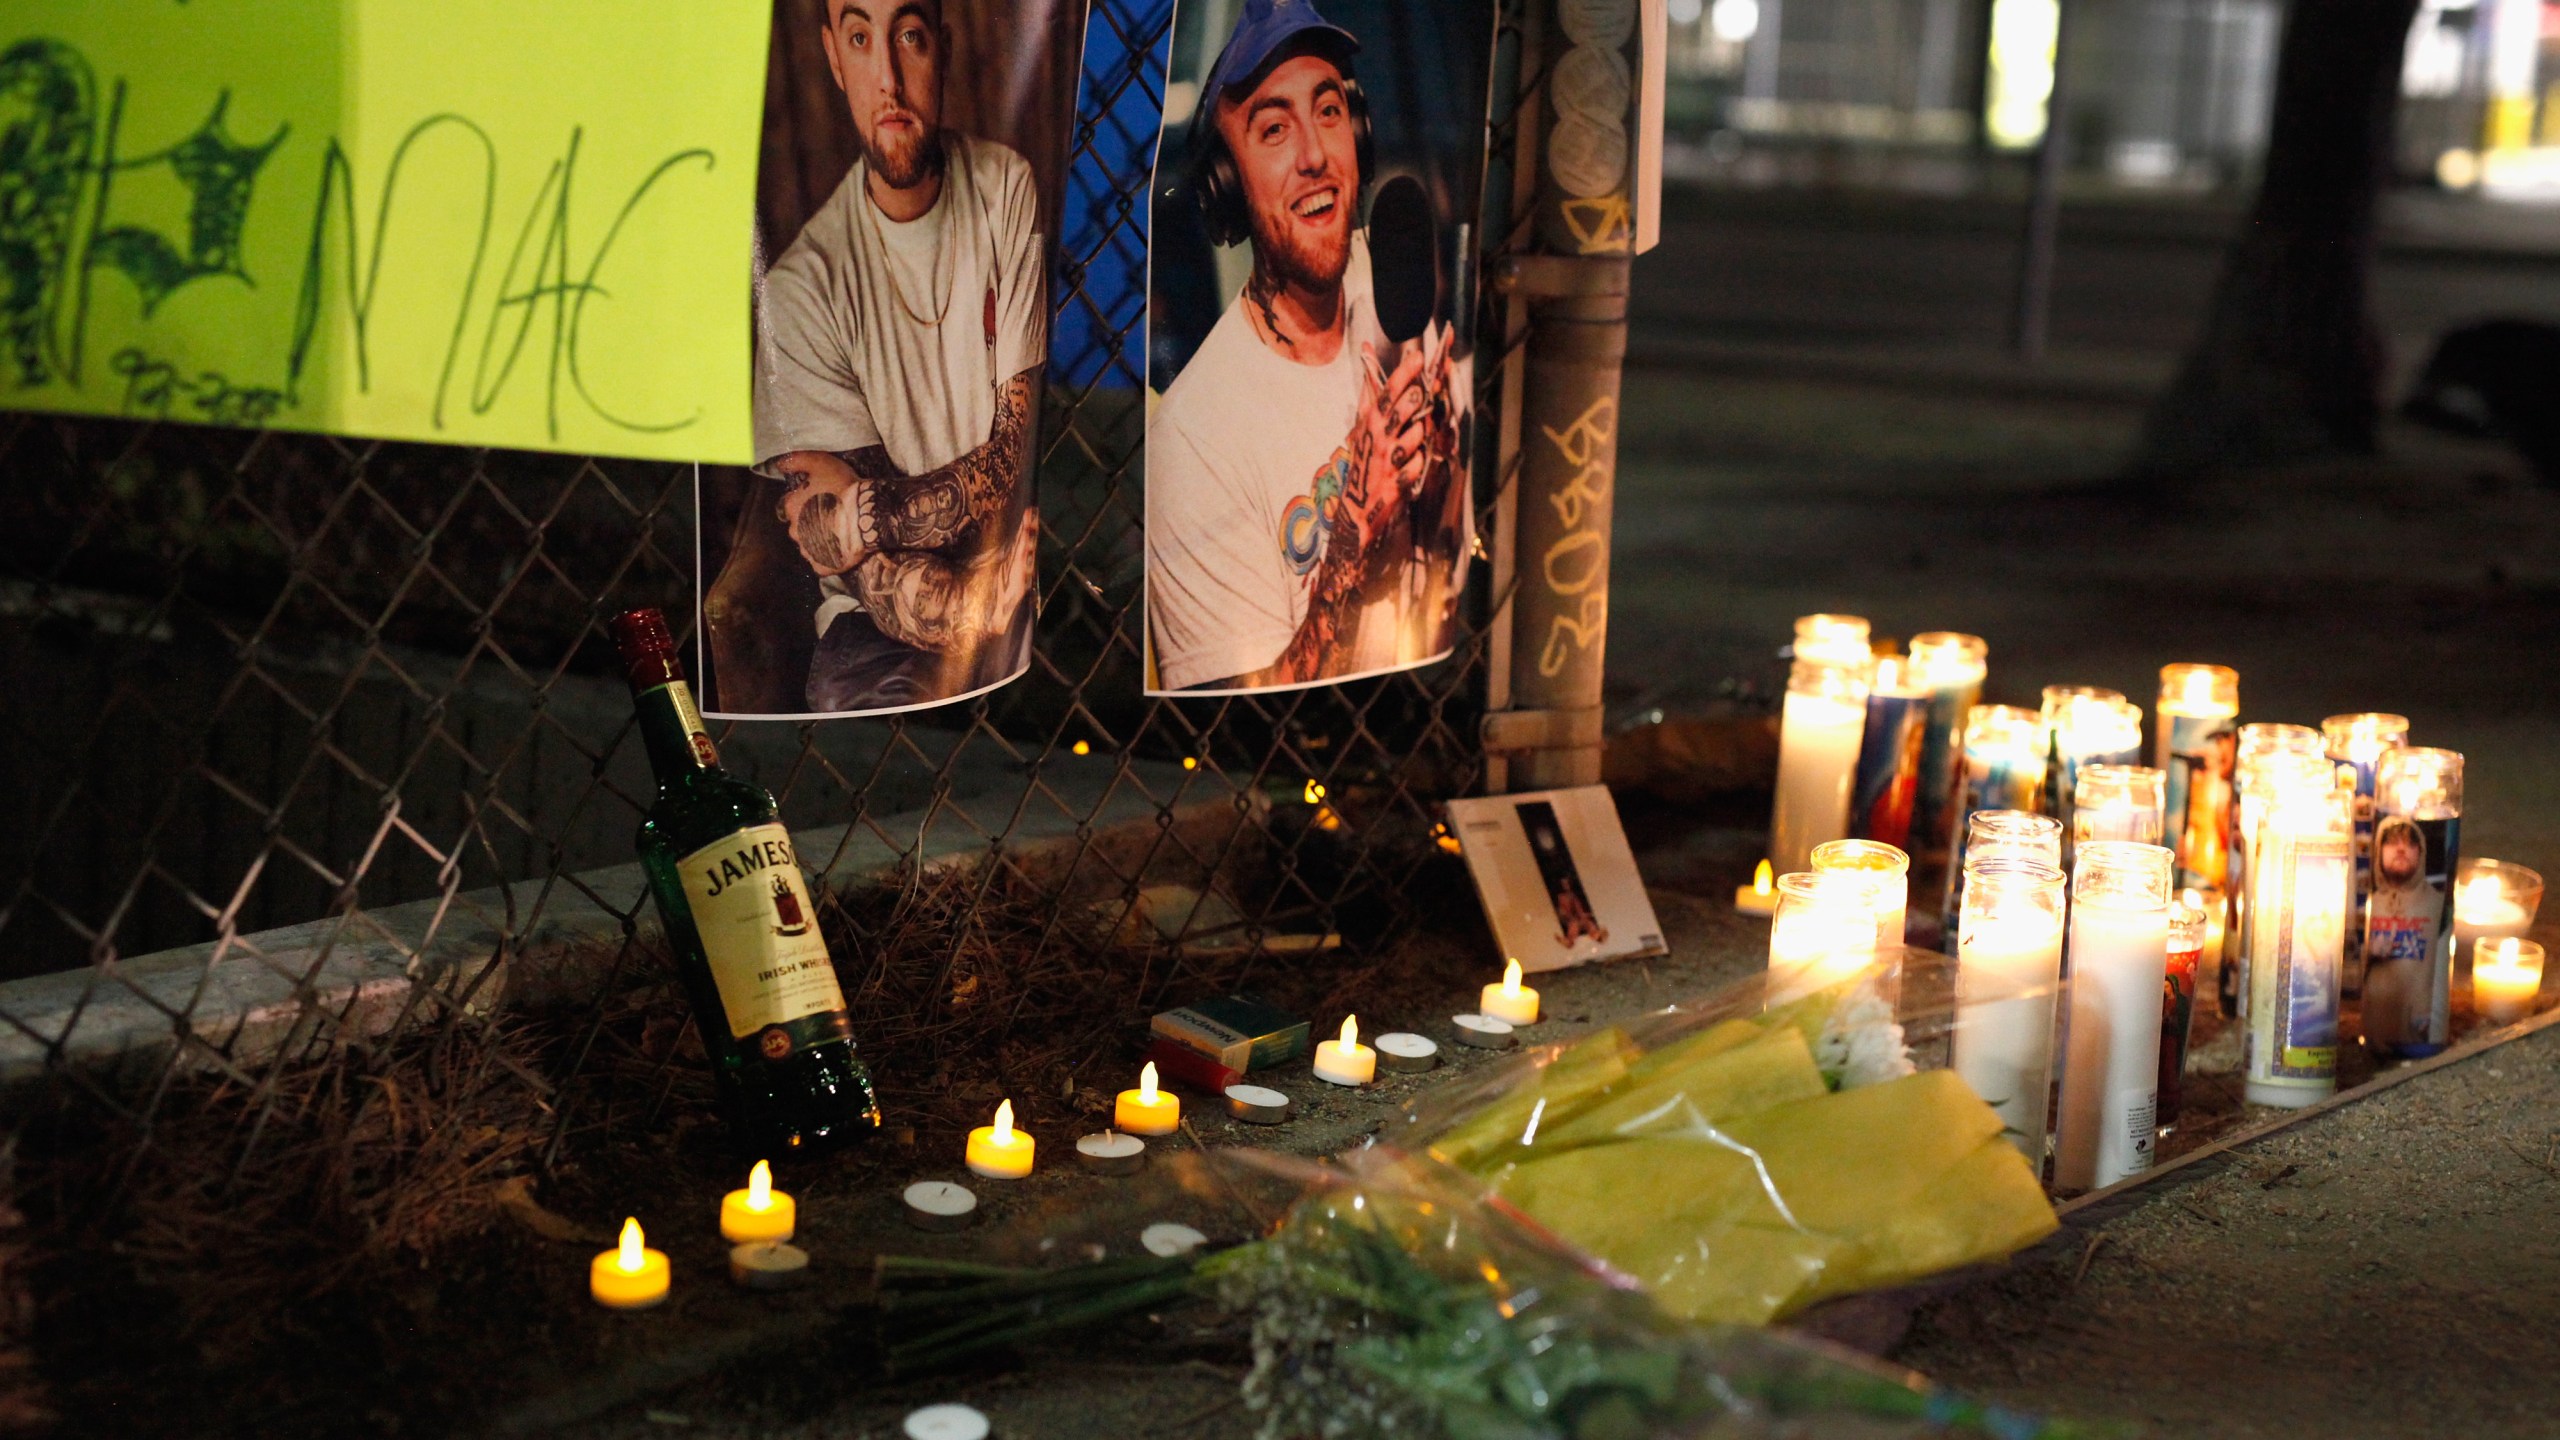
(760, 933)
(679, 696)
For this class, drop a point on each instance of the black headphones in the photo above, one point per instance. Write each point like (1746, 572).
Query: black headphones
(1219, 191)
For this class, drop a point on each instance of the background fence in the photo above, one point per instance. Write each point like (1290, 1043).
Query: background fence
(296, 720)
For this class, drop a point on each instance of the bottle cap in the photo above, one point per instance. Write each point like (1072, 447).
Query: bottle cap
(647, 647)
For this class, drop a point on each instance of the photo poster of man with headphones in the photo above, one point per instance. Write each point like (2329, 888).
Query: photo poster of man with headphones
(1310, 339)
(881, 553)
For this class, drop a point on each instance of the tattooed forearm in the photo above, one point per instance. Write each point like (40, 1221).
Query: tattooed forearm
(921, 600)
(943, 507)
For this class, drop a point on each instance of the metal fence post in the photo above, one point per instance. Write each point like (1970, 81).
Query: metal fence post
(1573, 280)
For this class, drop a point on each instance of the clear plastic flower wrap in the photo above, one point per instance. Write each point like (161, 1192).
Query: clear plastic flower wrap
(1742, 1160)
(1387, 1298)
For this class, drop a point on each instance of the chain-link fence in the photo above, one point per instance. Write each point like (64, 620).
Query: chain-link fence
(318, 757)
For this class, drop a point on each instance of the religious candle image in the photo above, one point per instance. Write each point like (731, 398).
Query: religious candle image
(2407, 944)
(2003, 769)
(2195, 742)
(2358, 742)
(2261, 746)
(2302, 898)
(1825, 932)
(2008, 973)
(2106, 1126)
(1819, 729)
(1951, 666)
(1887, 780)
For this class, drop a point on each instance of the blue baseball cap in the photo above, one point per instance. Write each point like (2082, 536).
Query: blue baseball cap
(1261, 30)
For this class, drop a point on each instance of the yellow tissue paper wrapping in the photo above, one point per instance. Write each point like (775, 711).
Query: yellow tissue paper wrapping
(1742, 1166)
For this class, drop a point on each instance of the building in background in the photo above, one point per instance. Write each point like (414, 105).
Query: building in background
(2163, 93)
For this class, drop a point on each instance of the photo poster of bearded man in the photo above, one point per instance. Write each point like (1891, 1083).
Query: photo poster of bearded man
(1310, 312)
(881, 554)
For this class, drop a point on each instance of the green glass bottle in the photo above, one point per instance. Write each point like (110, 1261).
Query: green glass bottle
(741, 925)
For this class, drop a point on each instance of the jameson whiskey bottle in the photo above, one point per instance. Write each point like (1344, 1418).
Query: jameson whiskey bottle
(741, 925)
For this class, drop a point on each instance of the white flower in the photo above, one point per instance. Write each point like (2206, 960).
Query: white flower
(1861, 1044)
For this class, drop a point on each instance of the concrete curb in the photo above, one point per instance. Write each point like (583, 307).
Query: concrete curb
(547, 943)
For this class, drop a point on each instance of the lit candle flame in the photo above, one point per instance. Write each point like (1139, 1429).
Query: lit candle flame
(629, 1261)
(1511, 978)
(1888, 673)
(1004, 1123)
(2199, 687)
(1147, 1084)
(1350, 1032)
(1762, 879)
(2409, 792)
(760, 1187)
(2507, 951)
(1315, 793)
(2477, 896)
(2194, 899)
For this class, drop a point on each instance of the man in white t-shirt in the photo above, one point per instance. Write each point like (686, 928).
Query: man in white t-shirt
(1282, 460)
(896, 382)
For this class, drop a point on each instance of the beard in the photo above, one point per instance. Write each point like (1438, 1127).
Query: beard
(1285, 254)
(904, 163)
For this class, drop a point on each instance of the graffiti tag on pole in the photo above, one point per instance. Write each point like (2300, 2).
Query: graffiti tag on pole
(1575, 564)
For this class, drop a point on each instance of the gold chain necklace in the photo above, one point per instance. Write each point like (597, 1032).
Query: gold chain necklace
(942, 279)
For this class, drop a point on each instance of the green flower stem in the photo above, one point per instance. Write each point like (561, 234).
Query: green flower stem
(932, 1350)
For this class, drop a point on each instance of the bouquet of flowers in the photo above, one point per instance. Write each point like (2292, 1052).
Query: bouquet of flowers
(1742, 1163)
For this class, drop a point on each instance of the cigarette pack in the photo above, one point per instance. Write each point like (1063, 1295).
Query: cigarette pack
(1183, 1065)
(1241, 1032)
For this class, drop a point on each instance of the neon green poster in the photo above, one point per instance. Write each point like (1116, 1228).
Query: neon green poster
(490, 222)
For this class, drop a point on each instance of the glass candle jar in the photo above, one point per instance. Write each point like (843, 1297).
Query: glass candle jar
(1886, 786)
(2259, 745)
(1837, 639)
(2302, 870)
(1824, 932)
(2118, 802)
(1818, 733)
(2195, 743)
(2008, 974)
(1888, 871)
(2493, 899)
(2408, 928)
(2003, 769)
(2089, 730)
(1951, 668)
(2506, 980)
(2358, 743)
(2119, 960)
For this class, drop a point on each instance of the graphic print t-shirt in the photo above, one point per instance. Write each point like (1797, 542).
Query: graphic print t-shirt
(1234, 454)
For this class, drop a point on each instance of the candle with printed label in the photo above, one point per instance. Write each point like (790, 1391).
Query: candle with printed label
(2194, 740)
(1952, 667)
(2301, 910)
(2106, 1127)
(2002, 769)
(2408, 924)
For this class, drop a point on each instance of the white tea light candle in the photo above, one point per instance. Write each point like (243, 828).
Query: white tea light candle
(1257, 1104)
(1407, 1053)
(940, 1205)
(946, 1422)
(1760, 897)
(1111, 1153)
(2506, 979)
(1346, 1061)
(1508, 999)
(1169, 1239)
(768, 1265)
(1482, 1031)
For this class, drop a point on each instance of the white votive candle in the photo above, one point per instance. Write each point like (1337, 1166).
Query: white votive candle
(2008, 972)
(2106, 1126)
(2506, 978)
(940, 1205)
(1508, 999)
(1346, 1061)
